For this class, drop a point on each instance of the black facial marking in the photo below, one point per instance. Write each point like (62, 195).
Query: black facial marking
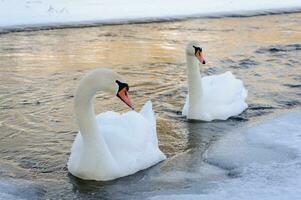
(196, 49)
(122, 85)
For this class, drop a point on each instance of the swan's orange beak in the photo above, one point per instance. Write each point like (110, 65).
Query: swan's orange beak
(200, 57)
(123, 95)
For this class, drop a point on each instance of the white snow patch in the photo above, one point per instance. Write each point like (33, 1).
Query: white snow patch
(264, 159)
(54, 12)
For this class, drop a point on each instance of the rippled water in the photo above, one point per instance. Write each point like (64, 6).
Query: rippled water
(39, 71)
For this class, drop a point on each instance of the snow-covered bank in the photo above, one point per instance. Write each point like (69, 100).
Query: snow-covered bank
(263, 162)
(30, 13)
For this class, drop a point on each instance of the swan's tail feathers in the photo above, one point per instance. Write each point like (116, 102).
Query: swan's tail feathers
(185, 107)
(148, 113)
(244, 93)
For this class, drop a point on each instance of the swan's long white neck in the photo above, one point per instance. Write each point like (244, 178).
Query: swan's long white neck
(93, 140)
(84, 109)
(194, 84)
(97, 80)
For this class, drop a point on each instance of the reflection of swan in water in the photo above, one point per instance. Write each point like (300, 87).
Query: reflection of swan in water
(211, 97)
(111, 145)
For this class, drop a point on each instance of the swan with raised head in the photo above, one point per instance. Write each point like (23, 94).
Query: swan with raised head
(111, 145)
(211, 97)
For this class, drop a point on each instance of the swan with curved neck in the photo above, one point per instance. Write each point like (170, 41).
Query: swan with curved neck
(111, 145)
(211, 97)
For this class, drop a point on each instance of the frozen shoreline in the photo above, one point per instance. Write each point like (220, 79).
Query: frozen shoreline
(264, 160)
(37, 13)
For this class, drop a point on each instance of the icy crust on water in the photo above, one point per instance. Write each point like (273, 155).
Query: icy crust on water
(17, 189)
(263, 162)
(62, 12)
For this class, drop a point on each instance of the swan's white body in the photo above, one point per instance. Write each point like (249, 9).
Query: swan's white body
(212, 97)
(111, 145)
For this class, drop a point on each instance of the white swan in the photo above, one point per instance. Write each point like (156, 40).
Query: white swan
(211, 97)
(111, 145)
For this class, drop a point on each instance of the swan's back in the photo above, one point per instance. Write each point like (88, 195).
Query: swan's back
(223, 96)
(131, 139)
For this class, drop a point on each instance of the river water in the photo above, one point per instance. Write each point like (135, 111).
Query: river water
(39, 71)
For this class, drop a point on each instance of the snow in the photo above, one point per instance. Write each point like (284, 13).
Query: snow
(62, 12)
(263, 161)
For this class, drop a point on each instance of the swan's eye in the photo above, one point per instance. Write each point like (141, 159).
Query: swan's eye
(197, 49)
(122, 85)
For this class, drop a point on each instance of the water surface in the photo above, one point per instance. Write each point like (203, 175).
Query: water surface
(39, 71)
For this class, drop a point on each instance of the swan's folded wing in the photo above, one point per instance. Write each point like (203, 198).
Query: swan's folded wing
(148, 113)
(224, 96)
(222, 89)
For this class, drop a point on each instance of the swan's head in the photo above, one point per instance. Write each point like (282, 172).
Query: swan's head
(106, 80)
(193, 48)
(118, 87)
(122, 93)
